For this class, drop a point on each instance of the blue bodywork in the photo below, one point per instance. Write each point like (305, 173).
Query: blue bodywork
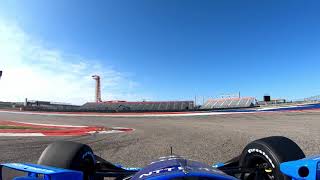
(34, 171)
(169, 168)
(177, 167)
(307, 168)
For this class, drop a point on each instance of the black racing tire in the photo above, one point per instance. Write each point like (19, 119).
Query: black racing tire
(271, 151)
(69, 155)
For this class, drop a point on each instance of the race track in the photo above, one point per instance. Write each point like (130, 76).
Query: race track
(204, 138)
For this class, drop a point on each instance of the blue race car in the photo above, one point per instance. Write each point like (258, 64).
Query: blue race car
(270, 158)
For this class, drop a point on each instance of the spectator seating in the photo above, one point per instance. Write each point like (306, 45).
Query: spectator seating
(225, 103)
(123, 106)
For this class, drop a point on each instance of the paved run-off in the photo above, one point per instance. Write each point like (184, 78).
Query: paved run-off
(204, 138)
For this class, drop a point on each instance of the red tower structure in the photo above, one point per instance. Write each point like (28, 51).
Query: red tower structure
(98, 88)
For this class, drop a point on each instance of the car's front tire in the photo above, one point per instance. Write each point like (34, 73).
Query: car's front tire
(269, 152)
(69, 155)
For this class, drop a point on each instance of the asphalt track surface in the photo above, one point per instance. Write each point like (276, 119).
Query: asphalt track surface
(204, 138)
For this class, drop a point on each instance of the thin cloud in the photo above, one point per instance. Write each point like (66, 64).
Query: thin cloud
(33, 71)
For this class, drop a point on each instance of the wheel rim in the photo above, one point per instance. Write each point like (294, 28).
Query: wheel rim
(264, 168)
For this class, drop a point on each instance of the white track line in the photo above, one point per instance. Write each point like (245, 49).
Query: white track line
(106, 132)
(41, 134)
(129, 115)
(273, 108)
(22, 134)
(48, 124)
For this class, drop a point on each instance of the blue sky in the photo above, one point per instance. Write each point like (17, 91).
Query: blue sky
(163, 50)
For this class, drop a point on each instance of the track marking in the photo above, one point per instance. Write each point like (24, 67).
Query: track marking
(22, 134)
(36, 129)
(60, 125)
(125, 115)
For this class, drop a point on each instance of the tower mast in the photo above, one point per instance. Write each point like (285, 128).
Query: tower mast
(98, 88)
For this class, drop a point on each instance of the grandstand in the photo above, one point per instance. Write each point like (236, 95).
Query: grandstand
(10, 105)
(226, 103)
(108, 106)
(6, 105)
(49, 106)
(144, 106)
(313, 99)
